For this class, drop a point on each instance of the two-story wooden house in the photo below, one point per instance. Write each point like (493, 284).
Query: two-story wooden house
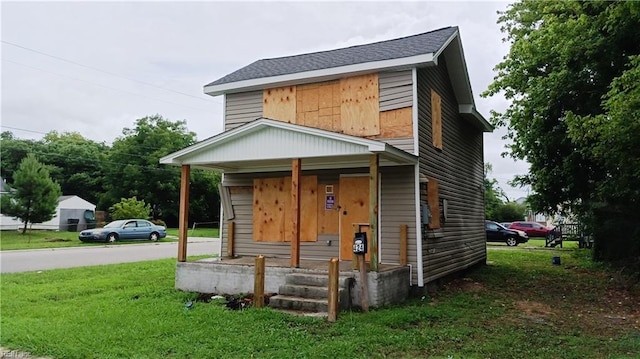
(383, 138)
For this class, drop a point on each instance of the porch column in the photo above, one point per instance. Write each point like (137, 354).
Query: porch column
(374, 162)
(296, 178)
(183, 225)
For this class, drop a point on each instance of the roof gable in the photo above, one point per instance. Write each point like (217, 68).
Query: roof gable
(267, 144)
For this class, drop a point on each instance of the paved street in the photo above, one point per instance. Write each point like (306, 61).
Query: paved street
(43, 259)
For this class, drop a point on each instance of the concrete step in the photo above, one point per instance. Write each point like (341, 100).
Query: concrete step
(317, 280)
(304, 291)
(298, 303)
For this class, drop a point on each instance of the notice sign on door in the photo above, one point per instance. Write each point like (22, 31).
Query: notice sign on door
(330, 201)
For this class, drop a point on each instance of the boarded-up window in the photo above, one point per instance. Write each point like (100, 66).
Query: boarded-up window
(272, 209)
(433, 199)
(360, 107)
(396, 123)
(280, 104)
(436, 119)
(269, 205)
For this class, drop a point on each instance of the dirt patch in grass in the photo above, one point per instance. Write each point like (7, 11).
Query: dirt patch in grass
(57, 240)
(575, 306)
(464, 285)
(235, 302)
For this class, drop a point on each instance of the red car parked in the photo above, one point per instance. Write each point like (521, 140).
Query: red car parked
(535, 229)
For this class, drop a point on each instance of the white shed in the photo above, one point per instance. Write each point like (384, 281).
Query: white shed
(70, 209)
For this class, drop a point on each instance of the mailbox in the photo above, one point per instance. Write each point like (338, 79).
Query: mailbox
(360, 243)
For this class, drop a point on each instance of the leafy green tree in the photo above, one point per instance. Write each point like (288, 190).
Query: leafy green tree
(12, 151)
(136, 171)
(33, 196)
(76, 163)
(510, 211)
(565, 57)
(130, 208)
(493, 194)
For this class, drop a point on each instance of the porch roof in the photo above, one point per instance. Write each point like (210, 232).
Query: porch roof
(266, 145)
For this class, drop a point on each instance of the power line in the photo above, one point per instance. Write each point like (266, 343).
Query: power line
(107, 87)
(106, 72)
(103, 142)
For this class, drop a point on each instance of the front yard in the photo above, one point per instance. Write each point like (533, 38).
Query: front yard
(38, 239)
(518, 306)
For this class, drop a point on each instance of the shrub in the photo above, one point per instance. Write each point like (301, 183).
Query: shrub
(130, 208)
(159, 222)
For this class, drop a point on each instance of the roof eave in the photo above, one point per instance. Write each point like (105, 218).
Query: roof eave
(470, 109)
(319, 75)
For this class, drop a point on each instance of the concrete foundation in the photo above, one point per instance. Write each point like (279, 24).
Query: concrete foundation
(388, 286)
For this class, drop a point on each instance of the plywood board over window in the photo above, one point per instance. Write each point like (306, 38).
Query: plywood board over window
(272, 209)
(360, 106)
(433, 198)
(436, 119)
(269, 206)
(280, 104)
(318, 105)
(308, 210)
(396, 123)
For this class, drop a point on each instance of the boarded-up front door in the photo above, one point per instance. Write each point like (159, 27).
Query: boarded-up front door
(354, 209)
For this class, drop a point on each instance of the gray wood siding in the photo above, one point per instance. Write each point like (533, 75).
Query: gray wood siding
(397, 207)
(458, 167)
(405, 144)
(241, 108)
(396, 90)
(243, 208)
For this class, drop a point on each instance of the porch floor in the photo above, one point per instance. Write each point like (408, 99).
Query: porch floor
(309, 264)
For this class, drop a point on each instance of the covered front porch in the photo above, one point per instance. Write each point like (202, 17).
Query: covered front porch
(282, 165)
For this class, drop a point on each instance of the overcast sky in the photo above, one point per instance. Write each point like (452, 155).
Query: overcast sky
(96, 67)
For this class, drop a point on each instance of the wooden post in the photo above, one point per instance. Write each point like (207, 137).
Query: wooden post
(364, 285)
(373, 211)
(230, 238)
(258, 284)
(355, 265)
(334, 273)
(183, 224)
(403, 244)
(296, 183)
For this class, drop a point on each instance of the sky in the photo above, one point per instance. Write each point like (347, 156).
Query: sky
(96, 67)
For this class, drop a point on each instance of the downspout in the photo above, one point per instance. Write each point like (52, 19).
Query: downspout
(416, 180)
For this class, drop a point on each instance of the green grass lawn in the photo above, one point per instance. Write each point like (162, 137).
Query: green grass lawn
(197, 232)
(37, 239)
(517, 306)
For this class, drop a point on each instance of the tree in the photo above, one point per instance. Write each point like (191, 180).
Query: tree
(135, 170)
(12, 151)
(76, 163)
(493, 194)
(565, 57)
(33, 196)
(130, 208)
(509, 212)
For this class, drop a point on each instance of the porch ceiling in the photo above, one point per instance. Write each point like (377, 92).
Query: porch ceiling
(268, 145)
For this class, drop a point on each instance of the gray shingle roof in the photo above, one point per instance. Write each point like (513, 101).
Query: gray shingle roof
(420, 44)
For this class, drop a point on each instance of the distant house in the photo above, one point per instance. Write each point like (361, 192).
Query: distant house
(69, 209)
(382, 138)
(532, 216)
